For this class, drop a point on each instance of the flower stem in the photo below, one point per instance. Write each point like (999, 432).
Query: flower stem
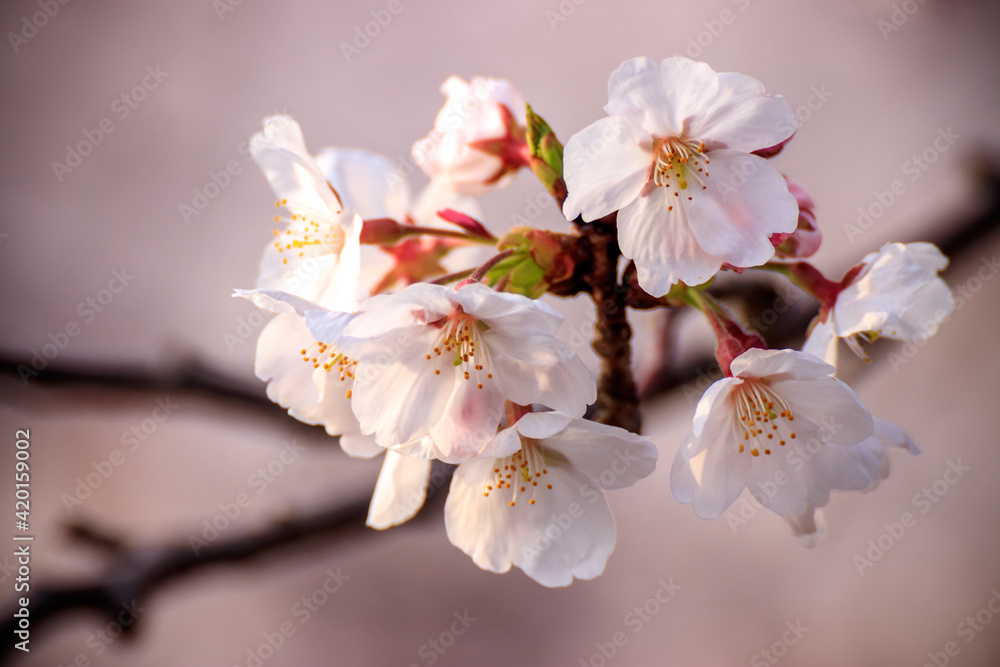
(478, 274)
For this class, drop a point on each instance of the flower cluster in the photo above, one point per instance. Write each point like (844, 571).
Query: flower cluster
(397, 330)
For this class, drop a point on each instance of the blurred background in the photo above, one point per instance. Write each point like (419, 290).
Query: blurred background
(145, 106)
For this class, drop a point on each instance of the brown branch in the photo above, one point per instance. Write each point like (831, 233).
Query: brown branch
(617, 397)
(134, 573)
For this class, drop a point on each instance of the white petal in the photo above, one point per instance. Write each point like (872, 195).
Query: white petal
(746, 201)
(661, 243)
(711, 481)
(932, 305)
(417, 304)
(539, 425)
(279, 362)
(891, 435)
(468, 422)
(397, 396)
(366, 182)
(661, 98)
(605, 166)
(742, 117)
(883, 291)
(400, 490)
(277, 301)
(809, 526)
(281, 154)
(437, 196)
(779, 365)
(508, 314)
(822, 342)
(612, 457)
(829, 404)
(541, 369)
(358, 445)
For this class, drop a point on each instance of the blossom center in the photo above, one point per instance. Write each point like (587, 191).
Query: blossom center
(460, 341)
(763, 417)
(307, 232)
(328, 357)
(521, 475)
(678, 163)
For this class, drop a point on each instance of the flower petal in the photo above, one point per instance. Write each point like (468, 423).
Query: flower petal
(366, 182)
(400, 490)
(829, 404)
(742, 117)
(612, 457)
(779, 365)
(660, 242)
(606, 165)
(745, 201)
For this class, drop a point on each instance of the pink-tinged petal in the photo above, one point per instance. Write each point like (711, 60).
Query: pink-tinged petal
(279, 362)
(508, 314)
(822, 342)
(605, 166)
(612, 457)
(333, 412)
(829, 404)
(468, 423)
(712, 480)
(713, 403)
(683, 484)
(541, 369)
(745, 201)
(662, 98)
(327, 326)
(779, 365)
(742, 117)
(659, 240)
(366, 182)
(400, 490)
(397, 396)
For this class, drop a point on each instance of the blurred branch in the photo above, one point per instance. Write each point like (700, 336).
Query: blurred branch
(134, 573)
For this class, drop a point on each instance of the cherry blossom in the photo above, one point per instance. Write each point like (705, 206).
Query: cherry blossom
(680, 219)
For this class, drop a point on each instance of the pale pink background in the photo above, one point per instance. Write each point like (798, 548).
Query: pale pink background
(121, 208)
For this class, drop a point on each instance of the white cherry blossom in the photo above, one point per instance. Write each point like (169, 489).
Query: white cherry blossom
(539, 502)
(441, 361)
(896, 294)
(673, 157)
(781, 426)
(474, 145)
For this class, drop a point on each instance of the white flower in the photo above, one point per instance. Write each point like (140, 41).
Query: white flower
(474, 143)
(539, 504)
(678, 219)
(309, 377)
(896, 294)
(438, 361)
(322, 195)
(782, 426)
